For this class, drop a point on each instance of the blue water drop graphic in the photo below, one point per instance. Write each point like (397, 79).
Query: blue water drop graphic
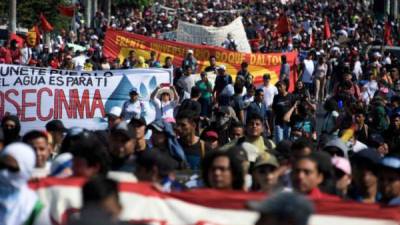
(153, 83)
(143, 91)
(120, 94)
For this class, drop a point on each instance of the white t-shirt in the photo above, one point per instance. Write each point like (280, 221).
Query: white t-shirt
(269, 94)
(26, 54)
(79, 61)
(308, 71)
(164, 109)
(357, 69)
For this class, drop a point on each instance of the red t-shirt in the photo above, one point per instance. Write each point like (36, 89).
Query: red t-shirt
(5, 53)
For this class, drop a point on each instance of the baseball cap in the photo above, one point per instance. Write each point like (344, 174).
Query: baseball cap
(290, 204)
(211, 134)
(133, 91)
(115, 112)
(157, 125)
(123, 132)
(342, 164)
(266, 158)
(137, 121)
(190, 51)
(369, 154)
(55, 125)
(222, 67)
(391, 162)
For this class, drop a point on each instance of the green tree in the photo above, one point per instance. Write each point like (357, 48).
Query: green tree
(28, 13)
(138, 3)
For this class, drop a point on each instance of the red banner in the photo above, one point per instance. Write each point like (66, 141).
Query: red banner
(119, 43)
(141, 202)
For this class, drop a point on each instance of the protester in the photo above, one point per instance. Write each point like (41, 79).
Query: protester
(114, 117)
(11, 128)
(205, 100)
(101, 203)
(310, 175)
(165, 100)
(91, 157)
(283, 208)
(365, 172)
(282, 103)
(337, 132)
(222, 170)
(165, 142)
(133, 108)
(157, 168)
(265, 174)
(342, 175)
(17, 162)
(138, 128)
(195, 149)
(56, 129)
(389, 179)
(38, 140)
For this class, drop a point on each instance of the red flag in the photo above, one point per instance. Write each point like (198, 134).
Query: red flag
(327, 29)
(66, 10)
(16, 37)
(283, 25)
(37, 31)
(387, 36)
(47, 27)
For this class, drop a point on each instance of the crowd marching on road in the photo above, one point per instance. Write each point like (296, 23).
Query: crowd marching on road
(336, 136)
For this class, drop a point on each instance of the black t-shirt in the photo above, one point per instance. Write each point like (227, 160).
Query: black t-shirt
(211, 69)
(192, 105)
(281, 106)
(221, 82)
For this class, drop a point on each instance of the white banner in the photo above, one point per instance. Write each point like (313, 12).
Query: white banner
(142, 203)
(78, 98)
(197, 34)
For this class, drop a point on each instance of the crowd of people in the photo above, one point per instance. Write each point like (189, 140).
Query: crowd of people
(337, 135)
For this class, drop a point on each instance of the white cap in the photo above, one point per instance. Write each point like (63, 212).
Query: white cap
(169, 26)
(115, 111)
(94, 37)
(222, 67)
(377, 54)
(190, 51)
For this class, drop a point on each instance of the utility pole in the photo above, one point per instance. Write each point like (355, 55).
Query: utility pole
(88, 12)
(12, 26)
(94, 7)
(108, 10)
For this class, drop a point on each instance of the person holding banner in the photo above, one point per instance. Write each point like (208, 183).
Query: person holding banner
(165, 99)
(133, 108)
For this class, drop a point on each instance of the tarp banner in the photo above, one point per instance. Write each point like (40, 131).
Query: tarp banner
(142, 203)
(198, 34)
(119, 43)
(78, 98)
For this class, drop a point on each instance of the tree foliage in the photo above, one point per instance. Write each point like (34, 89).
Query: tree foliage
(28, 12)
(137, 3)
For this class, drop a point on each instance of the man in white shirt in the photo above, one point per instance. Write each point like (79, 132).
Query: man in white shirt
(357, 70)
(26, 54)
(269, 90)
(79, 61)
(269, 93)
(230, 43)
(308, 67)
